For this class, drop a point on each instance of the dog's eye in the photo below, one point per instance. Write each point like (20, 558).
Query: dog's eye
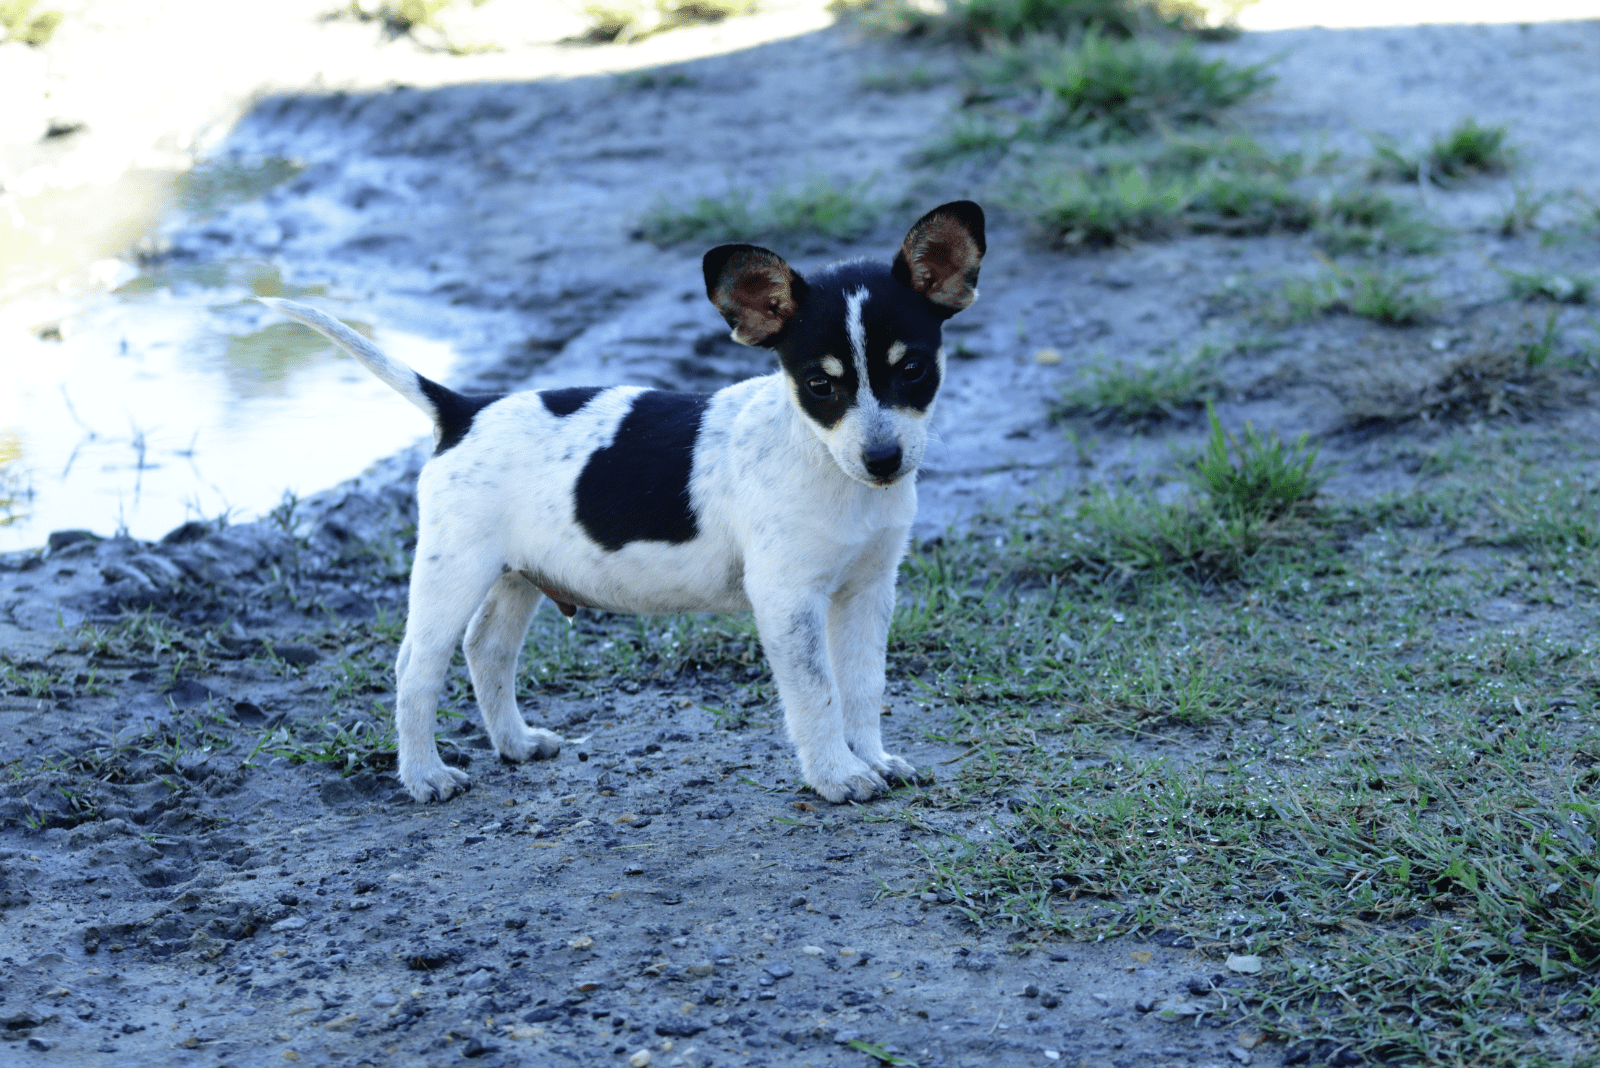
(913, 370)
(820, 386)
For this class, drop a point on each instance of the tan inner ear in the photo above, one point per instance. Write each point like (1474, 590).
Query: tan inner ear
(944, 262)
(756, 296)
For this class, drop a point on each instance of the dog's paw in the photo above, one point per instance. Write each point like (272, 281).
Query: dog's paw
(853, 782)
(896, 770)
(434, 782)
(530, 743)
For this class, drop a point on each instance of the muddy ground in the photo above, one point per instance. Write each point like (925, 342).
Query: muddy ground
(171, 895)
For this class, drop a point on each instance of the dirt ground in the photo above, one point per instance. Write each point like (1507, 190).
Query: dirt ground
(172, 896)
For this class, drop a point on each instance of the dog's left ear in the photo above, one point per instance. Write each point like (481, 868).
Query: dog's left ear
(756, 292)
(941, 255)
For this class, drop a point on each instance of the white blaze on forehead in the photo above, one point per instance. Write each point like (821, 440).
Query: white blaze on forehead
(832, 366)
(897, 352)
(857, 332)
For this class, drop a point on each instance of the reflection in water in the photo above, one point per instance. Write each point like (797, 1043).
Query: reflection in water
(178, 396)
(136, 400)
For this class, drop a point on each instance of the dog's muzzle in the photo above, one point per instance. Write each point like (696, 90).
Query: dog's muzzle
(882, 460)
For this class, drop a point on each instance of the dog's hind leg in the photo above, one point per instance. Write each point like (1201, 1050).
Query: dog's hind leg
(858, 635)
(493, 640)
(444, 596)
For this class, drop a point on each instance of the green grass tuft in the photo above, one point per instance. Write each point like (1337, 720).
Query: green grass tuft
(979, 22)
(1102, 88)
(1371, 293)
(1120, 393)
(1549, 285)
(1258, 478)
(1466, 151)
(1362, 220)
(819, 208)
(1072, 210)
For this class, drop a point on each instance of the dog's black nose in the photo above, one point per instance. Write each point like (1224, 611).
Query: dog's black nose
(882, 460)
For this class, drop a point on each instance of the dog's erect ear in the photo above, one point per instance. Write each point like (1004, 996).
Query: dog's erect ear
(756, 292)
(942, 253)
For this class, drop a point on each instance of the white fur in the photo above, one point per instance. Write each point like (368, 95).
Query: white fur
(790, 526)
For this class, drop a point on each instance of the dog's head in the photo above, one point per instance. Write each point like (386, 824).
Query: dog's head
(860, 342)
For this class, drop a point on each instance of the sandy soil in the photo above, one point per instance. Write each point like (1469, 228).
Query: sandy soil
(661, 884)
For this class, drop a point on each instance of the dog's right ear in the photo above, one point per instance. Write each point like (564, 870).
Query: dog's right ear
(756, 292)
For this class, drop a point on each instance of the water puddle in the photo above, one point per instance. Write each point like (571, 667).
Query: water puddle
(176, 396)
(136, 400)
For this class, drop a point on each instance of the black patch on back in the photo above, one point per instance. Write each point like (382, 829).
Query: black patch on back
(455, 411)
(637, 488)
(563, 402)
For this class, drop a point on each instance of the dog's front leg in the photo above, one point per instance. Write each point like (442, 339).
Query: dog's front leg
(858, 638)
(794, 633)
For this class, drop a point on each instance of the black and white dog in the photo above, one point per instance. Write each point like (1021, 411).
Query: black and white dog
(791, 495)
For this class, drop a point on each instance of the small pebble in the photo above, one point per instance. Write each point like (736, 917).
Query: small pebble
(478, 980)
(293, 923)
(1049, 1001)
(811, 951)
(640, 1059)
(779, 969)
(383, 999)
(1030, 991)
(797, 900)
(930, 898)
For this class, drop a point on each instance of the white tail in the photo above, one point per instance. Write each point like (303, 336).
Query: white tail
(402, 379)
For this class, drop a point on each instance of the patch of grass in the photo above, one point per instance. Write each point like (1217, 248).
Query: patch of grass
(819, 208)
(1466, 151)
(1257, 478)
(1371, 293)
(1386, 297)
(1072, 210)
(1363, 220)
(1549, 285)
(1131, 394)
(631, 20)
(1328, 760)
(349, 741)
(22, 20)
(1181, 184)
(912, 78)
(1101, 88)
(1247, 204)
(1522, 214)
(977, 22)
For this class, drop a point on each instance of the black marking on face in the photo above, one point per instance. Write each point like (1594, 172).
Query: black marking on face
(637, 488)
(563, 402)
(891, 312)
(453, 412)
